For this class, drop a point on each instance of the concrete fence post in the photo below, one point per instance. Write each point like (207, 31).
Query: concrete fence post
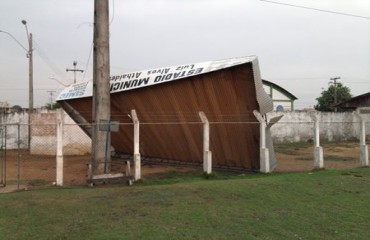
(137, 158)
(207, 154)
(318, 150)
(264, 152)
(59, 157)
(364, 152)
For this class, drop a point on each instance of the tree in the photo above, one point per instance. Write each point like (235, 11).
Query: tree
(326, 101)
(52, 106)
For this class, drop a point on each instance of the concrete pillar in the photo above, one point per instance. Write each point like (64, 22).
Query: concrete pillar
(59, 157)
(137, 158)
(101, 107)
(318, 150)
(264, 152)
(269, 142)
(207, 154)
(364, 152)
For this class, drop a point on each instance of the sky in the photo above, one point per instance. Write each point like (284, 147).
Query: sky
(298, 48)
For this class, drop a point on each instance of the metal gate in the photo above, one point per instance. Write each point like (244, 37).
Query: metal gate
(2, 155)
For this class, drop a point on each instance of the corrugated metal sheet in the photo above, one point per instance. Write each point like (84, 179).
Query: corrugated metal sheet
(170, 125)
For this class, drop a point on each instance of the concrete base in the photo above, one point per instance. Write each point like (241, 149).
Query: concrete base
(264, 160)
(364, 156)
(318, 157)
(207, 162)
(59, 171)
(137, 163)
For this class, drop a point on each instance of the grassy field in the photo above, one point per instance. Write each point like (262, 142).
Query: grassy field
(331, 204)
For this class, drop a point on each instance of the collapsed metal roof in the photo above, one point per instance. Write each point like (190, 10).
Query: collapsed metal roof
(167, 101)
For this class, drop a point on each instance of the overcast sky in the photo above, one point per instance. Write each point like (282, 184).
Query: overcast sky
(299, 49)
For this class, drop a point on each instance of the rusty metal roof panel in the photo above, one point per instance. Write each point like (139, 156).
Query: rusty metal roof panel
(170, 127)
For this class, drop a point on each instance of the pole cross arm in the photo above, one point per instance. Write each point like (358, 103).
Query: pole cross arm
(74, 70)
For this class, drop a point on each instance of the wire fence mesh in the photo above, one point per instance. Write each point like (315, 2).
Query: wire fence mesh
(34, 165)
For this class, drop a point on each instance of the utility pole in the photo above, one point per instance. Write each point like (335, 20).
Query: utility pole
(74, 70)
(101, 90)
(30, 66)
(334, 81)
(51, 97)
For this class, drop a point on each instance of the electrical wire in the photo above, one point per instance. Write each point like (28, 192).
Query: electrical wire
(316, 9)
(88, 61)
(112, 13)
(47, 60)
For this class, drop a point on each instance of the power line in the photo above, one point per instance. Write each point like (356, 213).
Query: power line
(47, 60)
(316, 9)
(88, 60)
(112, 13)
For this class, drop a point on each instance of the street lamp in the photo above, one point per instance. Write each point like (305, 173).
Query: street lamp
(30, 66)
(30, 57)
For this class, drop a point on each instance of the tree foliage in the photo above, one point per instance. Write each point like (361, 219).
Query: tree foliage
(326, 101)
(52, 106)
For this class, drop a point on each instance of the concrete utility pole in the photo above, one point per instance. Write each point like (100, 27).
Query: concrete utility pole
(74, 70)
(51, 97)
(101, 90)
(30, 66)
(334, 79)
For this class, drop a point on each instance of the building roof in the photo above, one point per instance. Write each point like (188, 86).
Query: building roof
(355, 102)
(151, 77)
(280, 89)
(226, 91)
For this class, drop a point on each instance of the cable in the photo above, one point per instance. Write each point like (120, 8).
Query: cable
(92, 45)
(112, 13)
(316, 9)
(88, 61)
(47, 60)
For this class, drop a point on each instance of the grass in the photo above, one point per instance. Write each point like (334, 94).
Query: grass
(315, 205)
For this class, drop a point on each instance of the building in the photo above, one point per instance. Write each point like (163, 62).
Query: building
(282, 99)
(361, 104)
(361, 101)
(168, 101)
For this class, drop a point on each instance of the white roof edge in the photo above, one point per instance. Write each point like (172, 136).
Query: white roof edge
(264, 100)
(145, 78)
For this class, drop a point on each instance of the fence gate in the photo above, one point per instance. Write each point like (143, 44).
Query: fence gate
(2, 156)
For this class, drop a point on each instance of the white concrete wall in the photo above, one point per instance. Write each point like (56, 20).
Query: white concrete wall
(298, 126)
(75, 141)
(43, 133)
(44, 138)
(12, 120)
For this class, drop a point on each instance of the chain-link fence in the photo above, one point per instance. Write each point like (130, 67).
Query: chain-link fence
(28, 154)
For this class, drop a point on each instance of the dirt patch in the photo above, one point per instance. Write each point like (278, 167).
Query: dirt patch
(300, 156)
(40, 170)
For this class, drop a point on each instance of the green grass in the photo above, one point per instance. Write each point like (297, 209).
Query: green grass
(316, 205)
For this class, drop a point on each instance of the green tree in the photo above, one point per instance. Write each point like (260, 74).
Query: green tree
(52, 106)
(326, 101)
